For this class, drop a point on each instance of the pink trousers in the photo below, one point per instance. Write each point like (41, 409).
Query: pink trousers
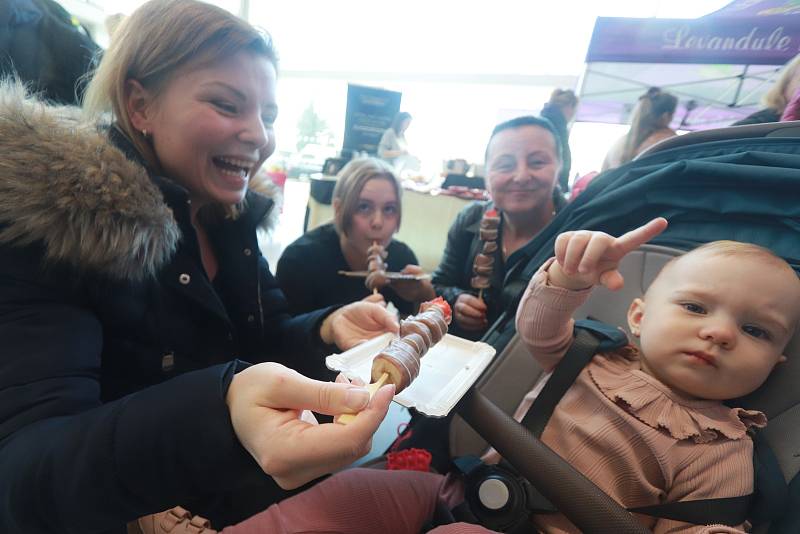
(368, 501)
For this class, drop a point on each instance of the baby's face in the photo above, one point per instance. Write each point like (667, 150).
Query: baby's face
(714, 326)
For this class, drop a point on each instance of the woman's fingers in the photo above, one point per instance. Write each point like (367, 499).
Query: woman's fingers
(314, 450)
(412, 269)
(385, 321)
(471, 307)
(287, 389)
(376, 298)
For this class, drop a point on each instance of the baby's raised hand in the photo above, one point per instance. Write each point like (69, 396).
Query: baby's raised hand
(585, 258)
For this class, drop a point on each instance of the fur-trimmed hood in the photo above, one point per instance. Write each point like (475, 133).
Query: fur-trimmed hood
(65, 184)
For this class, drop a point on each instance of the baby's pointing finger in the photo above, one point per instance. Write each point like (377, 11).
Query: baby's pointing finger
(639, 236)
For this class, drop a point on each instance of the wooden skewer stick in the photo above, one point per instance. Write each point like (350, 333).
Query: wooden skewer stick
(372, 388)
(374, 289)
(480, 294)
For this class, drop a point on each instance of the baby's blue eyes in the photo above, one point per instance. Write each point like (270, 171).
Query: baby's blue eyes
(755, 331)
(693, 308)
(751, 330)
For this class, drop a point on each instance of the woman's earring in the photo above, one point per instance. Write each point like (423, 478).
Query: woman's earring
(144, 133)
(635, 332)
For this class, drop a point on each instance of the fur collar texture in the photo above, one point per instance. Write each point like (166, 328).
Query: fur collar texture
(63, 183)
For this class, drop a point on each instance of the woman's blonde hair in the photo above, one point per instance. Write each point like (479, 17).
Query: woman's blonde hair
(775, 98)
(653, 112)
(153, 43)
(351, 181)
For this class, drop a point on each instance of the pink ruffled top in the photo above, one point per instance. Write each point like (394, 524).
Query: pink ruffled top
(619, 376)
(640, 441)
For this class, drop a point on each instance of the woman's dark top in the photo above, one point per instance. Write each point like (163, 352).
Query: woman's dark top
(308, 273)
(116, 351)
(760, 117)
(452, 277)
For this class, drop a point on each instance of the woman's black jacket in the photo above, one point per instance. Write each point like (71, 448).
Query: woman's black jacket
(116, 350)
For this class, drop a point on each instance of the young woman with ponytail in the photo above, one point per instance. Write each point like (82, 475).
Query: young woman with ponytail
(650, 124)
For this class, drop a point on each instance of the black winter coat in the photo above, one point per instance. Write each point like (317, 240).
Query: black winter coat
(116, 350)
(454, 274)
(308, 273)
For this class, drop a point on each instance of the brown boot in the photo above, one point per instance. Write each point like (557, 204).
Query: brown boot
(174, 521)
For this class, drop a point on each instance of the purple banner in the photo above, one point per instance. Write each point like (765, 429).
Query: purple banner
(757, 8)
(760, 40)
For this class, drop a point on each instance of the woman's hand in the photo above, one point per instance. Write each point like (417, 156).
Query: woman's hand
(267, 402)
(357, 322)
(414, 290)
(470, 312)
(376, 298)
(584, 258)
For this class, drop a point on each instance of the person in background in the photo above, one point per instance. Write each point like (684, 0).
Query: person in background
(523, 157)
(560, 110)
(367, 205)
(650, 124)
(392, 145)
(792, 111)
(45, 46)
(133, 292)
(776, 99)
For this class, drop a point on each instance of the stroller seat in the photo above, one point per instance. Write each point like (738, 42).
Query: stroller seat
(514, 372)
(710, 187)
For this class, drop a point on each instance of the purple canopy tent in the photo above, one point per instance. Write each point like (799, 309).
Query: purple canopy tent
(718, 65)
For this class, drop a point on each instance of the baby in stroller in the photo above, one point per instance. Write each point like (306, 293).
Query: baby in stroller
(645, 424)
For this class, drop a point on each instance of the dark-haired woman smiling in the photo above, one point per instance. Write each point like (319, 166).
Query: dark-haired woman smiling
(523, 158)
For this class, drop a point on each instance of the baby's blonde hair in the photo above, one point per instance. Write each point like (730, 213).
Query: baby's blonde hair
(731, 249)
(737, 248)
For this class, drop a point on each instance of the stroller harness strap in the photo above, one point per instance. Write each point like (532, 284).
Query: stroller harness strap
(592, 337)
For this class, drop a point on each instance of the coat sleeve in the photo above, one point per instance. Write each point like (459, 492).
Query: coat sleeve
(293, 277)
(292, 341)
(68, 461)
(449, 280)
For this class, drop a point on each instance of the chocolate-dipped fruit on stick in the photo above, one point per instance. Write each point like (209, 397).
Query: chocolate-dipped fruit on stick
(400, 362)
(376, 267)
(484, 260)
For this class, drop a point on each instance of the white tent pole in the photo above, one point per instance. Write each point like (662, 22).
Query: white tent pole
(244, 9)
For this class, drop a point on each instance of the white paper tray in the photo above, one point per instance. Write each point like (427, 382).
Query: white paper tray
(447, 371)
